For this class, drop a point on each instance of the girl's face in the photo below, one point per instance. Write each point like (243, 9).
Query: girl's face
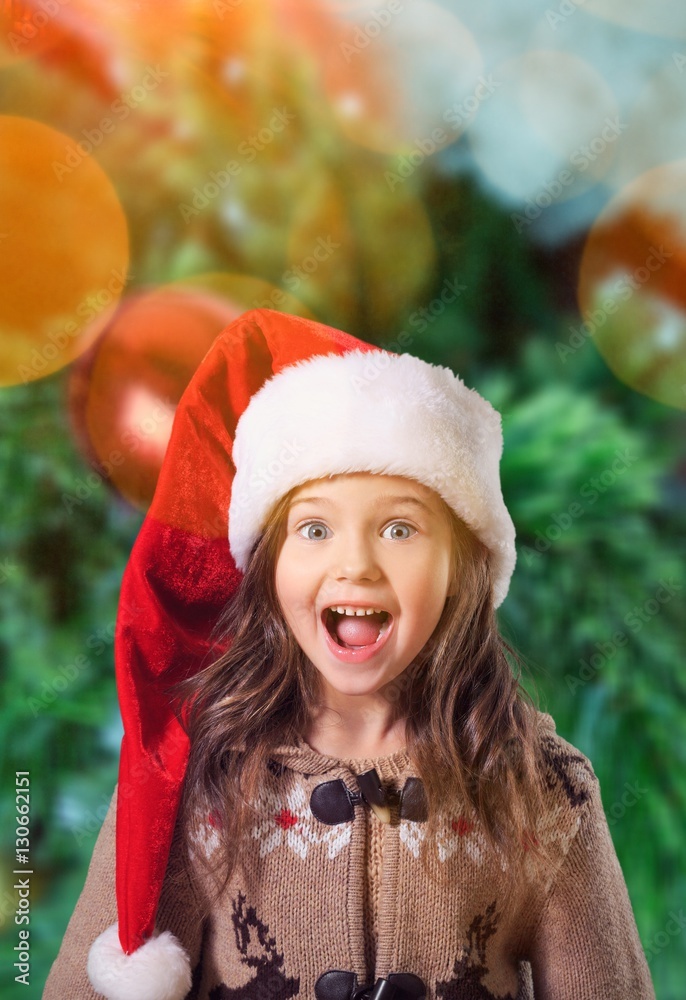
(360, 543)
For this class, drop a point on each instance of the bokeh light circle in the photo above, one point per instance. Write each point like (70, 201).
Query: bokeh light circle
(656, 122)
(375, 269)
(659, 17)
(632, 286)
(400, 75)
(64, 250)
(123, 393)
(27, 30)
(551, 129)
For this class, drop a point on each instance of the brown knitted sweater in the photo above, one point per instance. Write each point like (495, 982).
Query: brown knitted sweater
(327, 887)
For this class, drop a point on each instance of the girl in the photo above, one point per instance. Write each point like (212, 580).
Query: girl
(332, 785)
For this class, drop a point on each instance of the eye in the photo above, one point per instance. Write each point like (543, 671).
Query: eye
(399, 531)
(314, 531)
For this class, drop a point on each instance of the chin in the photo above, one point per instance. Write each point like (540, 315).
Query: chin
(347, 681)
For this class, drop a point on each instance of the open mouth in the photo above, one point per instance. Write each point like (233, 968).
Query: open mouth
(356, 628)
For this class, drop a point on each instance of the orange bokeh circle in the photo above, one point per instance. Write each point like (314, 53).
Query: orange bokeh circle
(123, 393)
(632, 285)
(64, 250)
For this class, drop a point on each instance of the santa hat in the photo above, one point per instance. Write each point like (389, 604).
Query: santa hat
(277, 400)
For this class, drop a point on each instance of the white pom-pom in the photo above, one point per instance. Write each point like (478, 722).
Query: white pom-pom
(159, 970)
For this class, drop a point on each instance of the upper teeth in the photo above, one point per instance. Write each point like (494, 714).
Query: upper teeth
(357, 611)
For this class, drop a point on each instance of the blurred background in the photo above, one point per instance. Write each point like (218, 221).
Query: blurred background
(500, 188)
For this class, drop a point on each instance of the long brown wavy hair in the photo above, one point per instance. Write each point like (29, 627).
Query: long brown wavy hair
(471, 728)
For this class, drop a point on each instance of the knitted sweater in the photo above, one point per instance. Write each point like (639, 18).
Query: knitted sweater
(328, 898)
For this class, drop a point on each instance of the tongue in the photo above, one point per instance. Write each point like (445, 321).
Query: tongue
(358, 630)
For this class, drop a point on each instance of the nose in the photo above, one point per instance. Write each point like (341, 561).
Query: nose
(354, 559)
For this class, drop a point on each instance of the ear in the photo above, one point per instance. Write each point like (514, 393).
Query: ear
(453, 585)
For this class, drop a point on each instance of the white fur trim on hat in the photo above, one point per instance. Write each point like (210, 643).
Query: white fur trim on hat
(158, 970)
(371, 411)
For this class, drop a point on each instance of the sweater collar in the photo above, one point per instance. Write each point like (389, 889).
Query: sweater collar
(303, 758)
(299, 756)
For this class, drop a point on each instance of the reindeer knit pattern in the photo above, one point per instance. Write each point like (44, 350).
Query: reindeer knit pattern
(327, 898)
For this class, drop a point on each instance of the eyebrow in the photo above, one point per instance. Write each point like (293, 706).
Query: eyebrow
(385, 499)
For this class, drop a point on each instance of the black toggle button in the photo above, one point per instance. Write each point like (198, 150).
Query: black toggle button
(409, 986)
(331, 802)
(375, 795)
(371, 788)
(381, 990)
(413, 802)
(398, 986)
(337, 984)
